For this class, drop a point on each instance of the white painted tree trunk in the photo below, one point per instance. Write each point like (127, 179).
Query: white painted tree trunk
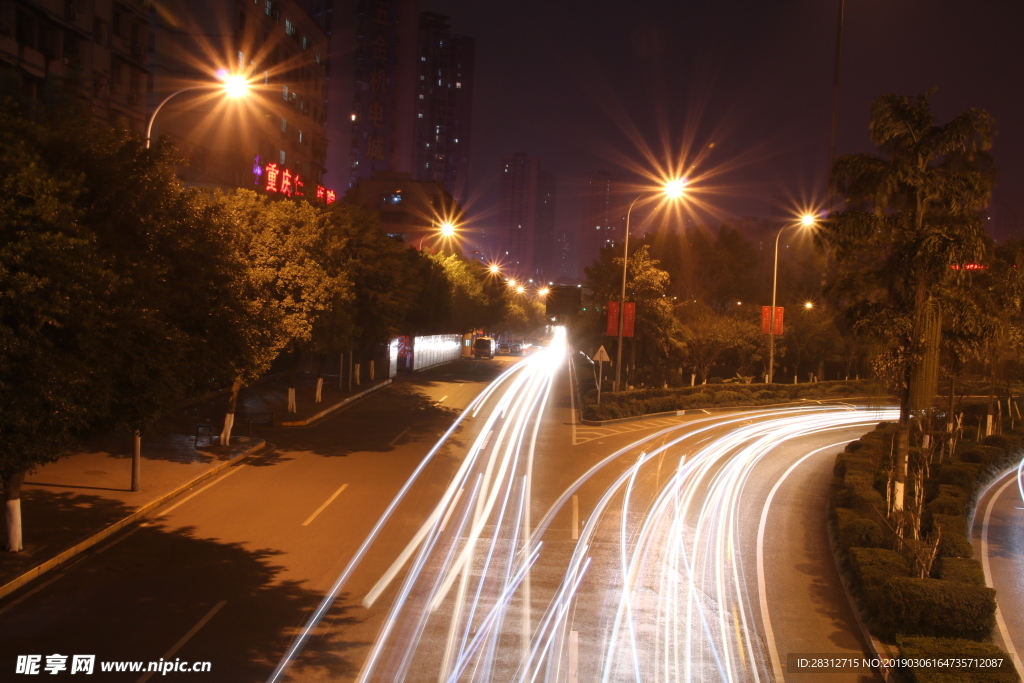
(14, 544)
(693, 378)
(291, 400)
(355, 373)
(225, 434)
(897, 497)
(371, 370)
(319, 389)
(988, 424)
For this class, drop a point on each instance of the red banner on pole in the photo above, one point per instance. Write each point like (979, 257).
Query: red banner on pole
(628, 319)
(766, 316)
(612, 329)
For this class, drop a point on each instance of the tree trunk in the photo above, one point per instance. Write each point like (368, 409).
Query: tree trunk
(293, 375)
(902, 443)
(341, 371)
(351, 365)
(12, 496)
(229, 416)
(136, 459)
(320, 377)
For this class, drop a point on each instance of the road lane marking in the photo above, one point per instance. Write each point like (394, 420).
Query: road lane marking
(400, 435)
(326, 503)
(574, 656)
(773, 648)
(575, 518)
(440, 401)
(1000, 622)
(185, 638)
(193, 495)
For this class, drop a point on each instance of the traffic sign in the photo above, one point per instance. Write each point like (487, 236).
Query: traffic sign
(601, 355)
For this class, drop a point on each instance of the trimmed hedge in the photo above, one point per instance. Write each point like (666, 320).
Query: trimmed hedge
(937, 608)
(646, 401)
(961, 569)
(921, 648)
(954, 603)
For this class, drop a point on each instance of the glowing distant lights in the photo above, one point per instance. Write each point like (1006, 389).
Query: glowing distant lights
(808, 219)
(808, 305)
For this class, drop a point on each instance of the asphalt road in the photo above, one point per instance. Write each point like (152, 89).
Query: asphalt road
(248, 557)
(998, 539)
(527, 548)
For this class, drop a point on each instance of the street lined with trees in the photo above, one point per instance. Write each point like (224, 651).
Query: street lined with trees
(124, 293)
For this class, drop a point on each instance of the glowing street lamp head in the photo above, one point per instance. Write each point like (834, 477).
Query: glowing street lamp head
(235, 86)
(494, 268)
(543, 291)
(808, 219)
(808, 305)
(511, 282)
(520, 289)
(447, 229)
(676, 188)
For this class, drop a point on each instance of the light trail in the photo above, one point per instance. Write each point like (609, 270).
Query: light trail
(654, 587)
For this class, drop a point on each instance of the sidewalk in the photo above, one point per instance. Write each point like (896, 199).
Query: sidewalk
(76, 502)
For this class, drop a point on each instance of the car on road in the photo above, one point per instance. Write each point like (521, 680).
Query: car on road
(503, 350)
(516, 350)
(483, 347)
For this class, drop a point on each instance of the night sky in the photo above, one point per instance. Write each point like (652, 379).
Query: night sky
(584, 85)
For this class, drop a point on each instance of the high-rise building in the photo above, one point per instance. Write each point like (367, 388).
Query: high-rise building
(603, 218)
(278, 127)
(526, 218)
(444, 98)
(97, 49)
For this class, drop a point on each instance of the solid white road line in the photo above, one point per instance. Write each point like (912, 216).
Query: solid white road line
(574, 656)
(575, 518)
(769, 634)
(193, 495)
(400, 435)
(185, 638)
(326, 503)
(440, 401)
(1000, 622)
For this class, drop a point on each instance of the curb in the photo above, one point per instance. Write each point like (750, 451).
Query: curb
(722, 409)
(876, 646)
(327, 411)
(141, 513)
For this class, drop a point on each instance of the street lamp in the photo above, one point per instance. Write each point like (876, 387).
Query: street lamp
(806, 221)
(672, 189)
(445, 230)
(233, 86)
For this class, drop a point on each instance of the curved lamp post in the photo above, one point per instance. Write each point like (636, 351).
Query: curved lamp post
(674, 189)
(233, 86)
(806, 221)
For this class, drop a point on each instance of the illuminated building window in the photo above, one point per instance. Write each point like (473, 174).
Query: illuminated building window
(284, 126)
(268, 7)
(281, 153)
(305, 43)
(458, 84)
(318, 55)
(301, 138)
(289, 28)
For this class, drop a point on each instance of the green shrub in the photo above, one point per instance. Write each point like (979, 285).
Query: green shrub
(960, 569)
(997, 440)
(947, 505)
(974, 455)
(958, 474)
(853, 531)
(874, 566)
(765, 394)
(715, 380)
(954, 541)
(933, 607)
(923, 648)
(969, 434)
(728, 397)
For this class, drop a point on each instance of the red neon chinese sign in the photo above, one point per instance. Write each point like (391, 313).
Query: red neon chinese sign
(284, 181)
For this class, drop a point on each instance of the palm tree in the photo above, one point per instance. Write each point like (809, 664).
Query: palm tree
(912, 222)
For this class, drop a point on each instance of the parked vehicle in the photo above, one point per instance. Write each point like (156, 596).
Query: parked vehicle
(516, 350)
(503, 349)
(483, 347)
